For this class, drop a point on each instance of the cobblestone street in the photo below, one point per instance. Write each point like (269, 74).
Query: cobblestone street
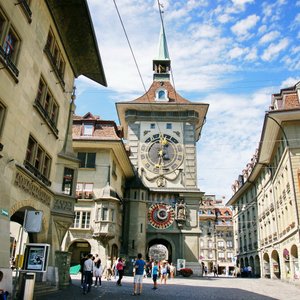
(185, 289)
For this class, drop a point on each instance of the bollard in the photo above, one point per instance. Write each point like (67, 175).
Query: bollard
(29, 286)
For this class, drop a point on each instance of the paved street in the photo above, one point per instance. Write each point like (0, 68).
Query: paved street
(185, 289)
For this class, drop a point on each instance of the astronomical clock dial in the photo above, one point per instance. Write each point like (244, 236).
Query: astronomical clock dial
(161, 154)
(161, 216)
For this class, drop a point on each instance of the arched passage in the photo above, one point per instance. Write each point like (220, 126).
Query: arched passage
(295, 262)
(79, 249)
(266, 265)
(159, 249)
(286, 263)
(256, 266)
(114, 252)
(276, 264)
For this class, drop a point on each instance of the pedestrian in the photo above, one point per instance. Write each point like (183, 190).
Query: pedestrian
(163, 273)
(249, 269)
(108, 269)
(172, 270)
(205, 270)
(154, 274)
(83, 259)
(139, 266)
(120, 269)
(215, 269)
(3, 294)
(98, 271)
(88, 274)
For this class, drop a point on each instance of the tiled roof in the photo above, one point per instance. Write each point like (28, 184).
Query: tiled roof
(150, 95)
(291, 101)
(103, 130)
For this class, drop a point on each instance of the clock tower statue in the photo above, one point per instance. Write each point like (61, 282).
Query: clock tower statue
(162, 128)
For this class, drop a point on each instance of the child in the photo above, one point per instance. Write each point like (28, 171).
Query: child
(98, 270)
(154, 275)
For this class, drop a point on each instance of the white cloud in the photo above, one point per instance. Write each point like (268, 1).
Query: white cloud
(252, 55)
(290, 81)
(236, 52)
(269, 37)
(274, 50)
(242, 27)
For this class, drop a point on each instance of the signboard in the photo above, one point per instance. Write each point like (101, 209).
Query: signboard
(180, 264)
(33, 220)
(36, 257)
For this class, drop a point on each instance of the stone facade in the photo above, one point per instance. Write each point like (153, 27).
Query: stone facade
(266, 201)
(37, 163)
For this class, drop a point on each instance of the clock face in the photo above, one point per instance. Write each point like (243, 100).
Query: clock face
(161, 154)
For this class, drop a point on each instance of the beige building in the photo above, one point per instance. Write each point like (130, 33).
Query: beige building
(268, 196)
(40, 55)
(216, 236)
(103, 171)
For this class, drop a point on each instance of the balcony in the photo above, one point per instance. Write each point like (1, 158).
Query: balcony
(36, 173)
(104, 229)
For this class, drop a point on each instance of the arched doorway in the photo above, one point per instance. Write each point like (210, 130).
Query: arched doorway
(295, 262)
(19, 237)
(266, 265)
(276, 265)
(79, 249)
(159, 249)
(257, 266)
(251, 264)
(114, 252)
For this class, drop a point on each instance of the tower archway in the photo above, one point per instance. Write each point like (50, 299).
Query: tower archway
(79, 249)
(159, 249)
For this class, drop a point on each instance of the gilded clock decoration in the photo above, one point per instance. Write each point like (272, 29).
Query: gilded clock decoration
(161, 154)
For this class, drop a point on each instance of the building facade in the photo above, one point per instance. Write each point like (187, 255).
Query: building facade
(162, 129)
(216, 236)
(271, 190)
(102, 175)
(39, 59)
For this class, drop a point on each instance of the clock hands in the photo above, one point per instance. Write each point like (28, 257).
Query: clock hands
(162, 153)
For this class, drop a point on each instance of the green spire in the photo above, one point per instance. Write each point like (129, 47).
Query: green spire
(163, 53)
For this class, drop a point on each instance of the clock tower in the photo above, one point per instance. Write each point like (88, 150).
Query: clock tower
(162, 128)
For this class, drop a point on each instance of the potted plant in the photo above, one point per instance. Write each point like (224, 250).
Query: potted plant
(186, 272)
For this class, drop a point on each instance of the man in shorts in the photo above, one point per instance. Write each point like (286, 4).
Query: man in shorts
(139, 266)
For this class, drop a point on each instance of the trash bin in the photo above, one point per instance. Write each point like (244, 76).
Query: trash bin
(29, 286)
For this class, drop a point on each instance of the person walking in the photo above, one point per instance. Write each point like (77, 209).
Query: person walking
(120, 269)
(108, 269)
(83, 259)
(98, 271)
(172, 270)
(88, 274)
(215, 271)
(164, 273)
(139, 266)
(154, 274)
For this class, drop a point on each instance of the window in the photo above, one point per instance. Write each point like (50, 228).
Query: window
(112, 215)
(221, 255)
(229, 244)
(25, 6)
(9, 46)
(84, 190)
(67, 184)
(114, 170)
(55, 57)
(220, 244)
(47, 105)
(2, 115)
(229, 255)
(152, 126)
(161, 95)
(87, 160)
(210, 244)
(37, 160)
(104, 216)
(169, 126)
(82, 219)
(88, 129)
(210, 255)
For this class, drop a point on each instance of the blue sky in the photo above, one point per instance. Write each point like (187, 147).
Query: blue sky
(231, 54)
